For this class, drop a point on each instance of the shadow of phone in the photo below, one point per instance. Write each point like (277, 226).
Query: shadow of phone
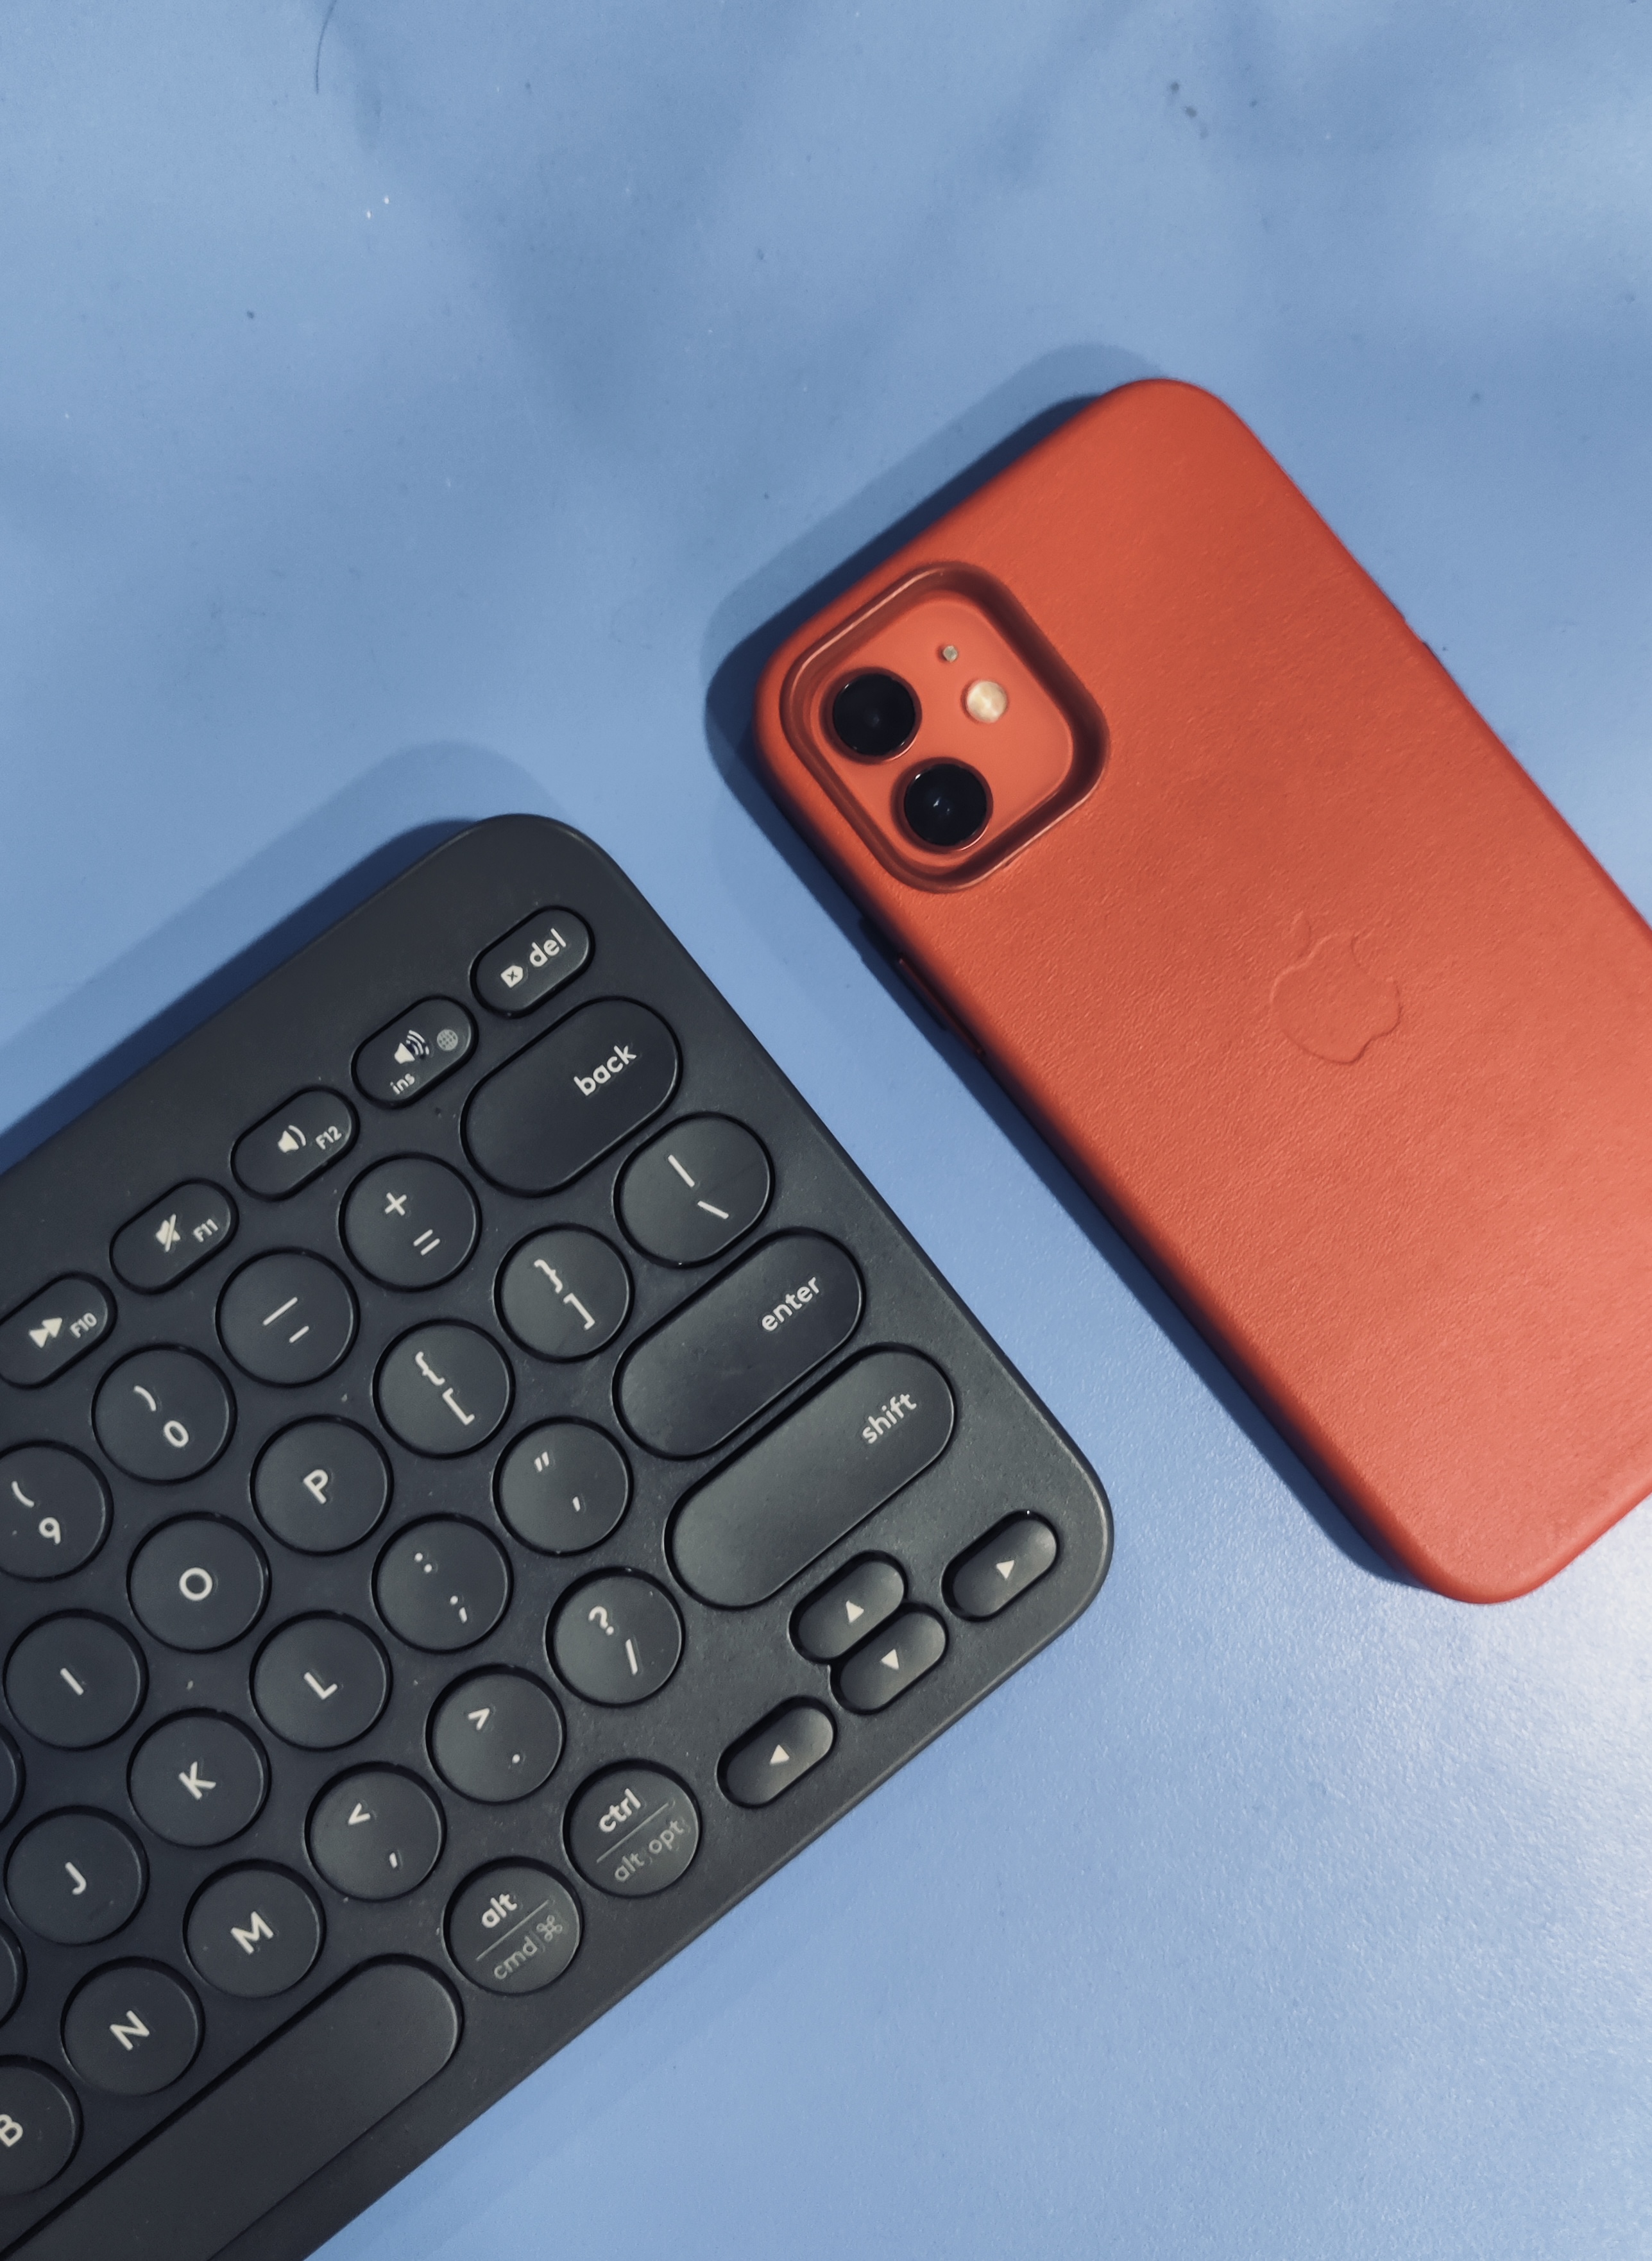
(793, 586)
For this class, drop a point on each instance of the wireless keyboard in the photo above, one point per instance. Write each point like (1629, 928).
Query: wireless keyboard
(483, 1480)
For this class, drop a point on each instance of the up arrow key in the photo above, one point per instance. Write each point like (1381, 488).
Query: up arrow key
(780, 1756)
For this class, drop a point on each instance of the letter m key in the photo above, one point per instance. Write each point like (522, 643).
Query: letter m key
(256, 1929)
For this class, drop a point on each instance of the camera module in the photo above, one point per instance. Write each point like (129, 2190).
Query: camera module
(946, 804)
(875, 715)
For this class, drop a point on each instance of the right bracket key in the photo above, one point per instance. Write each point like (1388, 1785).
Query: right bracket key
(1001, 1566)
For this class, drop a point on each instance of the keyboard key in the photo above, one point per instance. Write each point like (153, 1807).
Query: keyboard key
(254, 1933)
(546, 1115)
(565, 1293)
(411, 1223)
(778, 1754)
(53, 1511)
(777, 1507)
(533, 962)
(320, 1683)
(496, 1737)
(295, 1144)
(75, 1878)
(52, 1330)
(724, 1357)
(858, 1601)
(443, 1389)
(214, 2171)
(617, 1639)
(514, 1929)
(693, 1192)
(74, 1681)
(10, 1778)
(564, 1487)
(444, 1584)
(132, 2030)
(321, 1486)
(633, 1832)
(375, 1836)
(172, 1236)
(287, 1318)
(199, 1779)
(163, 1415)
(198, 1584)
(429, 1041)
(11, 1976)
(991, 1576)
(39, 2127)
(903, 1652)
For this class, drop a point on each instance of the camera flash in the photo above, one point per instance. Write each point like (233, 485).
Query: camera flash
(986, 701)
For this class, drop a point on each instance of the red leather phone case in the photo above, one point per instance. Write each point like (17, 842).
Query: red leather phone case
(1340, 1022)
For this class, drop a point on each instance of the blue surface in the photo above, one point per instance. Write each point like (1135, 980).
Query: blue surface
(406, 412)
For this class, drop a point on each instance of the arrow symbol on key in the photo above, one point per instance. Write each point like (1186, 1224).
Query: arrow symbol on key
(781, 1755)
(853, 1611)
(358, 1814)
(1003, 1568)
(892, 1659)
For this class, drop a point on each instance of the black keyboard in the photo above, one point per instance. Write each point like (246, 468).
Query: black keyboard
(483, 1480)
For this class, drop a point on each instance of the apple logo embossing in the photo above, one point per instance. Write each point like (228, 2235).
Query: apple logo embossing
(1327, 1003)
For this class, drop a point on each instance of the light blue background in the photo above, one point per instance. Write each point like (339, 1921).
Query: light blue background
(405, 424)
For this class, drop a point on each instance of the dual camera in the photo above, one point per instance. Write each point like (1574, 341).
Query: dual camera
(875, 717)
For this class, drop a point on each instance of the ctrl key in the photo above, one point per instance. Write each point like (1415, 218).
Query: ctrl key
(39, 2128)
(633, 1832)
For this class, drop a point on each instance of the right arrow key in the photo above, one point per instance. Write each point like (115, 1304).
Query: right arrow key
(777, 1754)
(903, 1651)
(1005, 1563)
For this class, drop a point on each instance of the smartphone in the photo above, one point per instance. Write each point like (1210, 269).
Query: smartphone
(1169, 814)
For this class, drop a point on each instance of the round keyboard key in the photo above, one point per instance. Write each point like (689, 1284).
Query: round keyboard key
(565, 1293)
(633, 1832)
(411, 1223)
(132, 2030)
(199, 1779)
(563, 1487)
(514, 1929)
(376, 1834)
(75, 1682)
(320, 1683)
(443, 1389)
(287, 1318)
(10, 1777)
(163, 1415)
(691, 1192)
(198, 1584)
(254, 1933)
(442, 1584)
(616, 1639)
(75, 1878)
(321, 1486)
(496, 1737)
(11, 1973)
(39, 2128)
(53, 1511)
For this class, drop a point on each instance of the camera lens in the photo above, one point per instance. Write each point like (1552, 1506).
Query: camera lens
(875, 715)
(946, 804)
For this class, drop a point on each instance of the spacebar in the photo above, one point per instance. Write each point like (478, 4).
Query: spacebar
(276, 2121)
